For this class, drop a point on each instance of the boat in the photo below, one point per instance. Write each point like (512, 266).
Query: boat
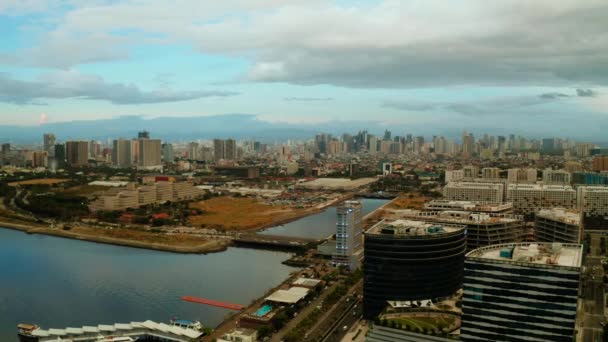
(187, 324)
(116, 339)
(24, 332)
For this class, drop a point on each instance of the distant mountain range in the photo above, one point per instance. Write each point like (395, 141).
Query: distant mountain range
(237, 126)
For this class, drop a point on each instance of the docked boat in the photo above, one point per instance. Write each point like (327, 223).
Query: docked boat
(187, 324)
(117, 339)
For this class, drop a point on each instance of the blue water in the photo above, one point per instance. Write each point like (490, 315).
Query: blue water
(263, 311)
(57, 283)
(322, 224)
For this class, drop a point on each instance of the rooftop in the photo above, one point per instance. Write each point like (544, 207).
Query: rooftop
(547, 254)
(291, 296)
(468, 205)
(411, 228)
(560, 214)
(477, 185)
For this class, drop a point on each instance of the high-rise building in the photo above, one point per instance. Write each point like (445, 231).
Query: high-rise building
(94, 149)
(40, 158)
(193, 151)
(143, 135)
(49, 143)
(411, 260)
(558, 225)
(548, 146)
(527, 199)
(349, 236)
(372, 144)
(149, 153)
(521, 292)
(592, 200)
(59, 161)
(168, 156)
(230, 150)
(122, 153)
(475, 192)
(77, 153)
(218, 149)
(454, 176)
(519, 175)
(556, 177)
(600, 163)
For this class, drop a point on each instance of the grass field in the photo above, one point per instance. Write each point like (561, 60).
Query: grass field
(41, 181)
(230, 213)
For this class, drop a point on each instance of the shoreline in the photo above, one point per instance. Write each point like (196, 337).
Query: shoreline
(212, 246)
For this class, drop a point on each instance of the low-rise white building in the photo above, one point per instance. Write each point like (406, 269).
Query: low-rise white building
(474, 191)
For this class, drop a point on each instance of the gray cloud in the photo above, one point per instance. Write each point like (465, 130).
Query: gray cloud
(585, 92)
(495, 106)
(388, 44)
(552, 95)
(308, 99)
(70, 84)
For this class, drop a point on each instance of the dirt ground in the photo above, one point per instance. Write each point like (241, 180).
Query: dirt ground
(84, 190)
(409, 201)
(230, 213)
(42, 181)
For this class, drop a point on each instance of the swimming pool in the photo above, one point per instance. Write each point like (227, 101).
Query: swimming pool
(263, 311)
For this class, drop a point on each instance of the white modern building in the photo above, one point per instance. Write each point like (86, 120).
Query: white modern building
(349, 235)
(592, 200)
(527, 199)
(474, 191)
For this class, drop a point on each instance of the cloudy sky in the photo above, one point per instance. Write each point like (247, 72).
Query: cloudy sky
(531, 67)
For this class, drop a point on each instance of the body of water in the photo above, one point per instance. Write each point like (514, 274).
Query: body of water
(56, 283)
(320, 225)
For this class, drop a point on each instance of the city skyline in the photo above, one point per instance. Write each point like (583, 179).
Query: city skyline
(379, 61)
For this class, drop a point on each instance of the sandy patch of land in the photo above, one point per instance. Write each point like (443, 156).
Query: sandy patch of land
(238, 213)
(409, 201)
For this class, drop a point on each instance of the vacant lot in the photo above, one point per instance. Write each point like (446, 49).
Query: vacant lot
(230, 213)
(41, 181)
(409, 201)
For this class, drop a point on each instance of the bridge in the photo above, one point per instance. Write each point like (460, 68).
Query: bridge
(275, 241)
(210, 302)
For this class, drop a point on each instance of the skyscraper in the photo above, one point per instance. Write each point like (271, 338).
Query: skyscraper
(59, 159)
(218, 149)
(49, 143)
(168, 153)
(149, 153)
(349, 235)
(77, 153)
(230, 150)
(122, 153)
(521, 292)
(193, 151)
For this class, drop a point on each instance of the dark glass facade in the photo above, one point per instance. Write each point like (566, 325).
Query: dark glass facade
(403, 267)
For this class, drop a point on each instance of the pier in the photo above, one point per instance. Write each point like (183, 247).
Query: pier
(215, 303)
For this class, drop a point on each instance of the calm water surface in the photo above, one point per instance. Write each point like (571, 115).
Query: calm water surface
(322, 224)
(57, 283)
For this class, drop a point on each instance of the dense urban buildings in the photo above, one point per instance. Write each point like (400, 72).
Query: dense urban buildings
(349, 236)
(521, 292)
(530, 198)
(411, 260)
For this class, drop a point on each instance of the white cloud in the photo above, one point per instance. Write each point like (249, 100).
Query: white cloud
(72, 84)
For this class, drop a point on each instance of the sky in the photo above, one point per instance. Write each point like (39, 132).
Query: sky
(530, 67)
